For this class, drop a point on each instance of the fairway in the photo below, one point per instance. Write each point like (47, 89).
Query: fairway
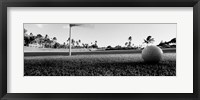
(99, 65)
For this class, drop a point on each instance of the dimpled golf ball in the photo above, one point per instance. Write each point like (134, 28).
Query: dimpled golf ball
(152, 54)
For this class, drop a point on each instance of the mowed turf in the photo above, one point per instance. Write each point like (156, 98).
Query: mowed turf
(99, 65)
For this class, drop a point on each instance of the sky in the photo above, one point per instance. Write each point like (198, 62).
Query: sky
(106, 34)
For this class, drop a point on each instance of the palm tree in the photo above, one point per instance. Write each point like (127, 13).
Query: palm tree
(31, 38)
(73, 42)
(64, 45)
(126, 43)
(86, 45)
(31, 34)
(40, 40)
(79, 41)
(46, 41)
(54, 39)
(39, 36)
(68, 39)
(46, 37)
(148, 40)
(130, 39)
(95, 42)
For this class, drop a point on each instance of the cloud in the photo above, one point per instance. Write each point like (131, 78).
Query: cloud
(39, 25)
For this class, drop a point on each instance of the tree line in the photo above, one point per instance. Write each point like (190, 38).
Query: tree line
(129, 45)
(40, 41)
(46, 42)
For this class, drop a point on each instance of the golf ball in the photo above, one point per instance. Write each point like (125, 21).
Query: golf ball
(152, 54)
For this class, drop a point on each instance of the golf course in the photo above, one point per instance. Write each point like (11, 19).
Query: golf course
(101, 49)
(98, 63)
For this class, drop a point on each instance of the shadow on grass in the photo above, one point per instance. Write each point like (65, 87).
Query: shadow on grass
(51, 68)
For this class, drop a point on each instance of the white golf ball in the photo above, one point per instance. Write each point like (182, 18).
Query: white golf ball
(152, 54)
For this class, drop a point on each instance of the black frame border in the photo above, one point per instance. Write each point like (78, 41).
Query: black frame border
(99, 3)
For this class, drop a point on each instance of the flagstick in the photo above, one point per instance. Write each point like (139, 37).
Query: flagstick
(69, 40)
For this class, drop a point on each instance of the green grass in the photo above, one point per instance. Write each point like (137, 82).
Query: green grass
(99, 65)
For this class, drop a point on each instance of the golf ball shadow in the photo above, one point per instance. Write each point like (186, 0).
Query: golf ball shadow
(152, 54)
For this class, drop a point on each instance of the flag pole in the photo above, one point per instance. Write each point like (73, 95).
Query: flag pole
(69, 40)
(70, 27)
